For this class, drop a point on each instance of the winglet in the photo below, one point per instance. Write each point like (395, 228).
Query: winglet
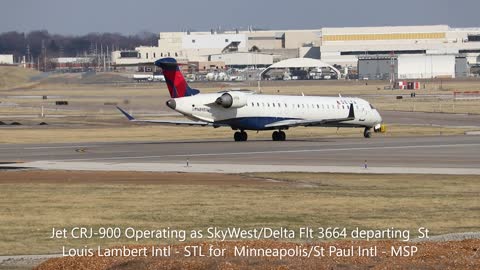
(351, 113)
(129, 117)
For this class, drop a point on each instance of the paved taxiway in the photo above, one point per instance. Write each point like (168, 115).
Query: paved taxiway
(442, 154)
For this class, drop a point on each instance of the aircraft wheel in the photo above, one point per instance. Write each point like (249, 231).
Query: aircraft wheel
(282, 136)
(276, 136)
(244, 136)
(237, 136)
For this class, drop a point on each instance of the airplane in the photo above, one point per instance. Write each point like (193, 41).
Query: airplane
(244, 110)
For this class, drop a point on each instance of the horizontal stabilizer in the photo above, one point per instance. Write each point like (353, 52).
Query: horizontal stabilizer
(169, 122)
(129, 117)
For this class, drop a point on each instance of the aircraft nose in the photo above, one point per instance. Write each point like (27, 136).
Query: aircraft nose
(172, 104)
(379, 117)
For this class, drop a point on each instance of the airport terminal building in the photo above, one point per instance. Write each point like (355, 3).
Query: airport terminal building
(406, 46)
(240, 48)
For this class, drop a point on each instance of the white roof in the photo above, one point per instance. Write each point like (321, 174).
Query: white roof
(299, 63)
(72, 59)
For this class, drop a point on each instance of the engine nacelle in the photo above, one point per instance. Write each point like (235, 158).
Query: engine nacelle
(232, 100)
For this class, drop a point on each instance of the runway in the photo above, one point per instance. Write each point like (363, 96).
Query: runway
(440, 154)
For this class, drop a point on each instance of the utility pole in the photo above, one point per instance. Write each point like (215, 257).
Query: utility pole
(44, 49)
(29, 57)
(108, 59)
(102, 57)
(392, 70)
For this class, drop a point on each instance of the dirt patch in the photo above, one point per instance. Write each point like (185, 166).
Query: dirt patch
(85, 177)
(445, 255)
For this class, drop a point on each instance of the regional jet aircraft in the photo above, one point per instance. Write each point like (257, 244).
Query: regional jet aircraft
(246, 110)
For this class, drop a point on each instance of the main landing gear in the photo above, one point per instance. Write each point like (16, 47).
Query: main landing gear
(279, 136)
(367, 133)
(240, 136)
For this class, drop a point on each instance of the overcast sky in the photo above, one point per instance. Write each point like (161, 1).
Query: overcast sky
(133, 16)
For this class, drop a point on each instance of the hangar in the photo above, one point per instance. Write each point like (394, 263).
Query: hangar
(301, 69)
(427, 66)
(344, 46)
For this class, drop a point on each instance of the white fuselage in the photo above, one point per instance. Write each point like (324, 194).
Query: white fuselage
(260, 110)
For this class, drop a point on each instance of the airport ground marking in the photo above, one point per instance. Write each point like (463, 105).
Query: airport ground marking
(276, 152)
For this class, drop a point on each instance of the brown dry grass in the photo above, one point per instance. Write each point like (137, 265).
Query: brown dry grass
(30, 208)
(12, 77)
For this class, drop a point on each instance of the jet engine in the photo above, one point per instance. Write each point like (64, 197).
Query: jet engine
(232, 100)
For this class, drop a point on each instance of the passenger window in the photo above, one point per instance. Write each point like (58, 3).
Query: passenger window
(273, 104)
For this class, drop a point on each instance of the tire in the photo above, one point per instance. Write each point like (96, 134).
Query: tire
(237, 136)
(275, 136)
(244, 136)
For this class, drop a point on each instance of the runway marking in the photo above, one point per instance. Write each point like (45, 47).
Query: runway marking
(60, 147)
(275, 152)
(49, 147)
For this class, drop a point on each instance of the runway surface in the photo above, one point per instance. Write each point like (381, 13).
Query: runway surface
(431, 119)
(441, 154)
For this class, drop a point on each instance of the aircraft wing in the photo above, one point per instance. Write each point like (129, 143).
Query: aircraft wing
(310, 123)
(169, 122)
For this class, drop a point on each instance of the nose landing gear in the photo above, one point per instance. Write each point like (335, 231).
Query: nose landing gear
(279, 136)
(367, 133)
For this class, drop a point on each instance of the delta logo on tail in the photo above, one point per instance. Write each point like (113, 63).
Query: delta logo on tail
(177, 86)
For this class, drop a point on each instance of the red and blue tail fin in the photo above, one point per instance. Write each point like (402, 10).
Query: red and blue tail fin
(177, 86)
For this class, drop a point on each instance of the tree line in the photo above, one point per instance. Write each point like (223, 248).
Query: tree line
(38, 43)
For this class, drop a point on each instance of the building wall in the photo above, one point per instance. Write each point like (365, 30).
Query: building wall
(211, 65)
(6, 59)
(344, 45)
(243, 59)
(376, 68)
(212, 41)
(426, 66)
(461, 67)
(309, 52)
(302, 38)
(269, 40)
